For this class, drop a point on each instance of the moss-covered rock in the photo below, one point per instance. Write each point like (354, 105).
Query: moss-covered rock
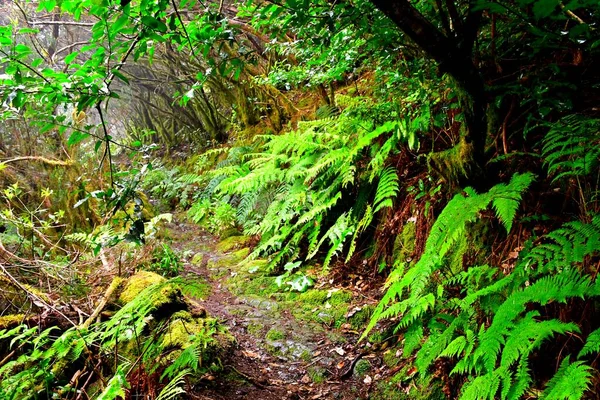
(140, 281)
(275, 334)
(362, 368)
(227, 233)
(183, 327)
(11, 320)
(197, 259)
(232, 243)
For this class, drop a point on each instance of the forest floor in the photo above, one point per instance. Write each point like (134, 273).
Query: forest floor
(286, 347)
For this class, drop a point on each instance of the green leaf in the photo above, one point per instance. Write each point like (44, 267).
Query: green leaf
(119, 75)
(77, 137)
(544, 8)
(154, 24)
(69, 59)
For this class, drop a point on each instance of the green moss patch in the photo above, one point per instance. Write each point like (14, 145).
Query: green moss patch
(275, 334)
(138, 282)
(232, 243)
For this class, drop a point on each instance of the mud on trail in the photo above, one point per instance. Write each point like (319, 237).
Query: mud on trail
(288, 345)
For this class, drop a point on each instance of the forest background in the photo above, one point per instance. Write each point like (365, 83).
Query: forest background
(447, 150)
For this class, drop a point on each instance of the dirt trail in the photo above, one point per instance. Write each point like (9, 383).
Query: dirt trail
(307, 361)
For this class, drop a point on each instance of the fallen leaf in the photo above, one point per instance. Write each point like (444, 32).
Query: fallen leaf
(250, 354)
(339, 350)
(341, 365)
(368, 380)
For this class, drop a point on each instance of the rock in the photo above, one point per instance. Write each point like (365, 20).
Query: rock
(233, 243)
(197, 259)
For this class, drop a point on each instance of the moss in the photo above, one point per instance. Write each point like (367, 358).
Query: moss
(229, 260)
(454, 164)
(11, 320)
(306, 356)
(333, 297)
(274, 350)
(390, 359)
(361, 318)
(317, 374)
(404, 245)
(239, 255)
(232, 243)
(182, 327)
(275, 334)
(197, 259)
(362, 367)
(252, 266)
(227, 233)
(377, 337)
(138, 282)
(258, 286)
(254, 328)
(13, 299)
(313, 296)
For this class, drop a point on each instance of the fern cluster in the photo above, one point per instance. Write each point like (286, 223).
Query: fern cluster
(487, 323)
(36, 367)
(299, 190)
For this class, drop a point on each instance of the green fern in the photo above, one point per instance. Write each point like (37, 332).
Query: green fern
(387, 189)
(570, 381)
(447, 229)
(572, 147)
(592, 344)
(174, 388)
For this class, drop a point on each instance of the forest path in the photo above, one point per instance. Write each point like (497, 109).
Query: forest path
(276, 356)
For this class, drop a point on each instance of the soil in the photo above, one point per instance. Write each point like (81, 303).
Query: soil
(309, 361)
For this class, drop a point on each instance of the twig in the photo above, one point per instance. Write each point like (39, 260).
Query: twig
(39, 158)
(37, 299)
(107, 295)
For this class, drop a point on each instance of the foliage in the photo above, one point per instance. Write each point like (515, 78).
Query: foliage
(165, 262)
(306, 175)
(40, 359)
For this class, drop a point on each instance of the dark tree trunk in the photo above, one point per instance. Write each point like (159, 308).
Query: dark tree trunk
(454, 58)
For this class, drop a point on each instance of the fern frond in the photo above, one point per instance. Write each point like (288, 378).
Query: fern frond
(592, 344)
(387, 189)
(174, 388)
(570, 381)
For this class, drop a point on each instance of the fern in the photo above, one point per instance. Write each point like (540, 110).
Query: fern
(174, 388)
(592, 344)
(570, 381)
(387, 189)
(116, 386)
(447, 229)
(572, 147)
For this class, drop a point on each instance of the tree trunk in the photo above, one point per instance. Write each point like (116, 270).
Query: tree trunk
(454, 58)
